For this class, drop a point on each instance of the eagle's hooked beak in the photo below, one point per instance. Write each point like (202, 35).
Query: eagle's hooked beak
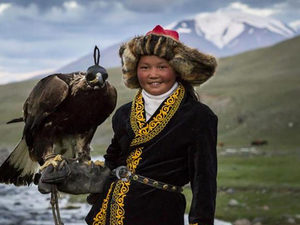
(96, 76)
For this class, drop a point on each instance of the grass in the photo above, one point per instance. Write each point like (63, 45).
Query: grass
(266, 205)
(267, 188)
(255, 95)
(269, 206)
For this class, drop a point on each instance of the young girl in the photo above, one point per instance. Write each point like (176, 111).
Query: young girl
(163, 139)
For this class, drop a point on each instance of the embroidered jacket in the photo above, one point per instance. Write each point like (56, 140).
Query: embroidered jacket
(177, 145)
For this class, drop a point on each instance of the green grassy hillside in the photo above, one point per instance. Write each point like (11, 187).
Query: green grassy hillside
(256, 96)
(260, 89)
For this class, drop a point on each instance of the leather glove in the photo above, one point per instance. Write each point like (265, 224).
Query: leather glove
(74, 178)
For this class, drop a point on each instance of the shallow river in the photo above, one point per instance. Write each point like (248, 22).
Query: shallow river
(26, 206)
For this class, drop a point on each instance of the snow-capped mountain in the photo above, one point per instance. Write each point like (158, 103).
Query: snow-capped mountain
(296, 26)
(221, 33)
(227, 33)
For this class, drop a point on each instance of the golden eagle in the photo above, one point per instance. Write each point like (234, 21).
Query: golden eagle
(61, 116)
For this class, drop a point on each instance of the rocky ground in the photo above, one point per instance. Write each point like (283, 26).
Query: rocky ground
(26, 206)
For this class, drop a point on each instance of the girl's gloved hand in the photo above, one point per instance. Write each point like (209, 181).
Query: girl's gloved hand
(74, 178)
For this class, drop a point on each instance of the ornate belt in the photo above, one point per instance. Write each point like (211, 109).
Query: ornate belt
(124, 174)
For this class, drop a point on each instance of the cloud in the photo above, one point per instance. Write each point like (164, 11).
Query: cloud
(37, 35)
(42, 5)
(288, 5)
(264, 12)
(4, 6)
(289, 8)
(285, 11)
(32, 39)
(295, 25)
(71, 5)
(7, 77)
(150, 6)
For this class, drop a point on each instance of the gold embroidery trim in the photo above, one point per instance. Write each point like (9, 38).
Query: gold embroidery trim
(134, 159)
(117, 214)
(143, 133)
(137, 118)
(122, 187)
(146, 131)
(100, 218)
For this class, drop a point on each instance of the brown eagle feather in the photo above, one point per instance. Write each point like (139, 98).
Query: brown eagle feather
(61, 116)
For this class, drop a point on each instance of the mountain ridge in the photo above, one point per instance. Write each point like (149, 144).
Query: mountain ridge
(239, 33)
(253, 94)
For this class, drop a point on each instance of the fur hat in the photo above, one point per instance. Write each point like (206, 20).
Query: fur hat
(190, 64)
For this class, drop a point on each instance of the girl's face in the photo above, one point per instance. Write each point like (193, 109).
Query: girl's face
(155, 75)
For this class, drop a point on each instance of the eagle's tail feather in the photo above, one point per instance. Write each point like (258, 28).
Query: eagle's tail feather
(18, 168)
(16, 120)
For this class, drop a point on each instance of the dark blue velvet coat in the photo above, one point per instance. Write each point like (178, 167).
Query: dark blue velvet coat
(183, 151)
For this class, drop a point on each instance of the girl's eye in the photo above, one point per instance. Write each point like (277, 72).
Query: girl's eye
(162, 67)
(143, 67)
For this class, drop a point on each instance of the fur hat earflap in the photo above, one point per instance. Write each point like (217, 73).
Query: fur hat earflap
(190, 64)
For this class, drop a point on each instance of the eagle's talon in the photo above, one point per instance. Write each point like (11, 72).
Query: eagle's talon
(99, 163)
(52, 161)
(92, 164)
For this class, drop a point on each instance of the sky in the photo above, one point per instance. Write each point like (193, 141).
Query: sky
(40, 36)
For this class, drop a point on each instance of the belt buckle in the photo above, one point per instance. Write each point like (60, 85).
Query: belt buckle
(122, 173)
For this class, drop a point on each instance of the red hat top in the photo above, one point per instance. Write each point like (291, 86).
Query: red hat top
(161, 31)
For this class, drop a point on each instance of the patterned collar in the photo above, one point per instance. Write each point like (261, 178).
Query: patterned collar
(145, 131)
